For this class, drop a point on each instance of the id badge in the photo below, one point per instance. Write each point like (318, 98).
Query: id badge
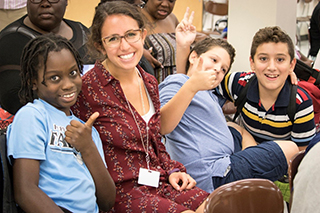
(149, 177)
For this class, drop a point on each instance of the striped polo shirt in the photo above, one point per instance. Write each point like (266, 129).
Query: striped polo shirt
(275, 123)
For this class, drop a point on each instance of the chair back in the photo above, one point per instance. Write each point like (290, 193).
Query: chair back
(8, 204)
(215, 8)
(246, 196)
(293, 169)
(293, 166)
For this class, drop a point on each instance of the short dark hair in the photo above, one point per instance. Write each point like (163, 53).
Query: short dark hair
(271, 34)
(208, 43)
(35, 55)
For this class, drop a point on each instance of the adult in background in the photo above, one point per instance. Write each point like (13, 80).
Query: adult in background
(161, 40)
(43, 16)
(314, 32)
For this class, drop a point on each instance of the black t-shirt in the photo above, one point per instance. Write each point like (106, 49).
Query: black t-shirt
(314, 31)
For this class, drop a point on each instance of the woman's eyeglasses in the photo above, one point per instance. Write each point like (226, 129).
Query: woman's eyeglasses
(131, 36)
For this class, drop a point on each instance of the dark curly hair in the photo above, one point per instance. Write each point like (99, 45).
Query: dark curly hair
(35, 55)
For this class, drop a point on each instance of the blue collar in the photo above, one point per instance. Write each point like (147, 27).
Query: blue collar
(283, 97)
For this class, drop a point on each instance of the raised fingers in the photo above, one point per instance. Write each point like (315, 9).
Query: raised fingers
(92, 119)
(186, 23)
(186, 14)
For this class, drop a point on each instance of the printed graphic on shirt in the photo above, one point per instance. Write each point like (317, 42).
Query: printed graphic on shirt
(59, 144)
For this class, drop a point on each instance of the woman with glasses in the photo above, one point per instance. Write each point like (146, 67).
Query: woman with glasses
(127, 100)
(144, 63)
(44, 16)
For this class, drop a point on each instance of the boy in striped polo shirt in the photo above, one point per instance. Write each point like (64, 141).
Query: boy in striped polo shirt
(265, 115)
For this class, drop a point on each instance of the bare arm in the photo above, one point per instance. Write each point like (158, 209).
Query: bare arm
(26, 191)
(185, 36)
(154, 62)
(80, 136)
(305, 59)
(172, 111)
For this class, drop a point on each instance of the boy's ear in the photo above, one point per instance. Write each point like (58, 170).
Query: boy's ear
(251, 63)
(192, 57)
(292, 64)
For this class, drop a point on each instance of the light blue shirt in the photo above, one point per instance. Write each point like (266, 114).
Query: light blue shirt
(37, 132)
(202, 141)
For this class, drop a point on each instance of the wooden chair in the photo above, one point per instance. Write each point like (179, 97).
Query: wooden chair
(293, 169)
(214, 8)
(246, 196)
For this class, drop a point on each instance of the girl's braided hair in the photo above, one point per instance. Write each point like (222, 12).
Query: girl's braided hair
(35, 56)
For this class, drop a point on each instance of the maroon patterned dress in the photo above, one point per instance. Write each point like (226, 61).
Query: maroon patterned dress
(123, 148)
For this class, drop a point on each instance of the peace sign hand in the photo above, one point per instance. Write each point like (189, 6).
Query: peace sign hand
(185, 31)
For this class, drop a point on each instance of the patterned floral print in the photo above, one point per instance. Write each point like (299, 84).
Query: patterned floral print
(123, 148)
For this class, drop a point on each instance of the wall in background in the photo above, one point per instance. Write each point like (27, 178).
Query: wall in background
(195, 5)
(305, 9)
(81, 10)
(246, 17)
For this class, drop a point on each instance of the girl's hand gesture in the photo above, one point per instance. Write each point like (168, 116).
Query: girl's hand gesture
(79, 134)
(185, 31)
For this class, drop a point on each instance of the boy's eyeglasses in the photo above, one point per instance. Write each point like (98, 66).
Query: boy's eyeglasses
(131, 36)
(39, 1)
